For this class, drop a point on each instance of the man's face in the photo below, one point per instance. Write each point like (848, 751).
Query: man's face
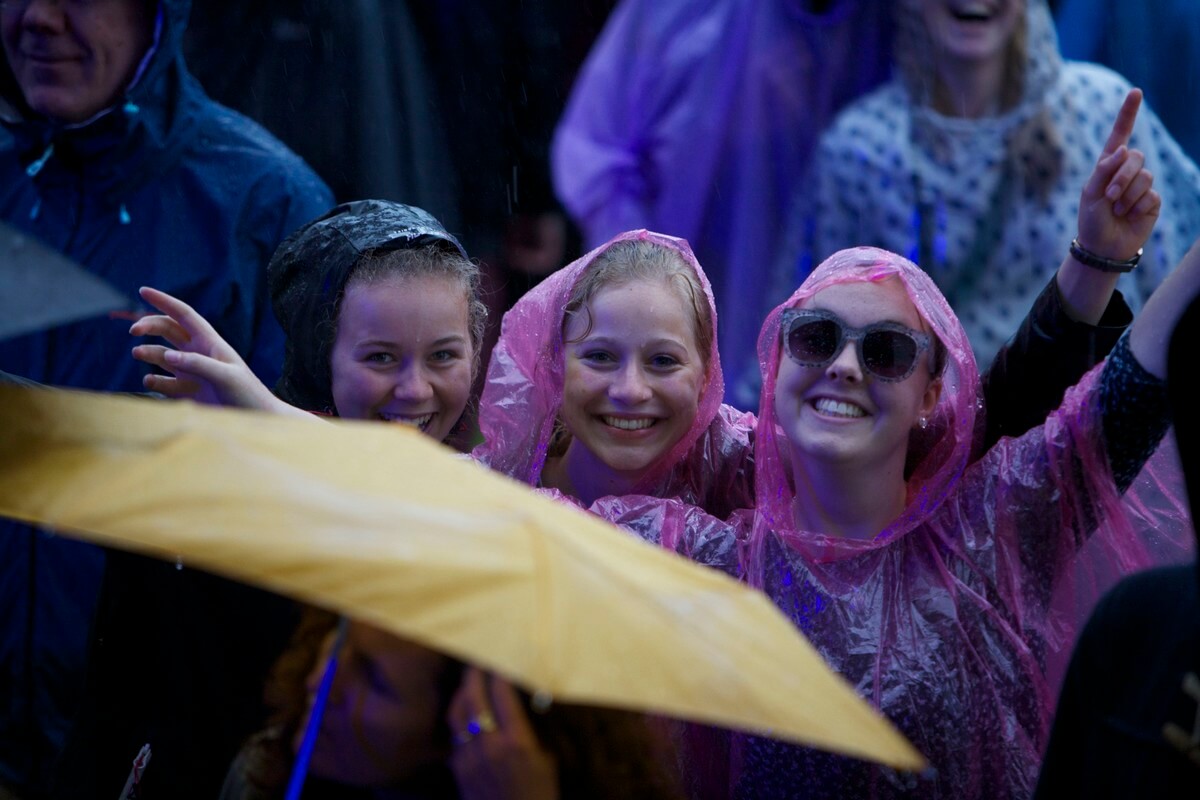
(73, 58)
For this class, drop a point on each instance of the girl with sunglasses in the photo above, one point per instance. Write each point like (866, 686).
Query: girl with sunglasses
(935, 586)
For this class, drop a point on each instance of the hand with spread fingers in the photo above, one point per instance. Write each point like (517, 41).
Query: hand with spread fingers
(203, 366)
(497, 755)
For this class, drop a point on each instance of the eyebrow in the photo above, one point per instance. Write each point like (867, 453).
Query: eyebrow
(609, 341)
(442, 342)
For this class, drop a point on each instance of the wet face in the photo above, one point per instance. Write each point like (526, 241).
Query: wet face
(382, 719)
(842, 414)
(633, 381)
(403, 353)
(972, 31)
(73, 58)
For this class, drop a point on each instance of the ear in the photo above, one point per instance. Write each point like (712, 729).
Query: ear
(929, 400)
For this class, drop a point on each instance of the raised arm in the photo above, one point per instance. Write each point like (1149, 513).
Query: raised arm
(1079, 317)
(1117, 212)
(1151, 331)
(203, 366)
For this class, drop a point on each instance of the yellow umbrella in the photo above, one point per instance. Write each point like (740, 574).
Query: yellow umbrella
(380, 523)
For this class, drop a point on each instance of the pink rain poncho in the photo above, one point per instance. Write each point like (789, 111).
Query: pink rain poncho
(947, 619)
(711, 466)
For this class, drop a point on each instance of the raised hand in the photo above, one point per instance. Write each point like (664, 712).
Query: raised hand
(203, 366)
(1118, 207)
(497, 755)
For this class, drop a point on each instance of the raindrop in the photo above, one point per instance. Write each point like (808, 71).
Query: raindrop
(541, 701)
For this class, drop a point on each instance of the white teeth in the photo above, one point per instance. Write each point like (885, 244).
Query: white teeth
(629, 424)
(975, 13)
(837, 408)
(415, 422)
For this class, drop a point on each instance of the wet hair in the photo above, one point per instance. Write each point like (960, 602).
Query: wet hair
(637, 260)
(428, 260)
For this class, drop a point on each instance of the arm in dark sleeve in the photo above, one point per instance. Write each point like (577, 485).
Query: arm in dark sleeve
(1049, 353)
(1134, 413)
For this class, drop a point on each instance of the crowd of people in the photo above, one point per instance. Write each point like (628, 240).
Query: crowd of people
(938, 532)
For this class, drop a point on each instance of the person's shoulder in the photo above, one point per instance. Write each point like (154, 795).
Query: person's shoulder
(673, 27)
(237, 134)
(251, 169)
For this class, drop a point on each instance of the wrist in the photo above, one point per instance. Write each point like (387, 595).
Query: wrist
(1090, 258)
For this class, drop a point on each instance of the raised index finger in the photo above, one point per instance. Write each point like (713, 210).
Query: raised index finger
(1122, 128)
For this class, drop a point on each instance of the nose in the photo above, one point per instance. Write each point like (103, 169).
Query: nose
(412, 384)
(44, 14)
(629, 385)
(845, 367)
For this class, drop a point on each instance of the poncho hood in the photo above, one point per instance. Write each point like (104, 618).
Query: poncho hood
(308, 275)
(524, 388)
(936, 456)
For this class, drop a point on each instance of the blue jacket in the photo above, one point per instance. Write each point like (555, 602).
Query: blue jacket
(165, 188)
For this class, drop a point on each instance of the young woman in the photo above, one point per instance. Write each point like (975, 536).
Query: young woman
(934, 585)
(927, 583)
(606, 380)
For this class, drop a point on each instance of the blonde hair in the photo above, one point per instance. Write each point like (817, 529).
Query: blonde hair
(640, 260)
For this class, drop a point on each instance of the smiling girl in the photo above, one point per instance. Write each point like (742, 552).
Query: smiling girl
(606, 381)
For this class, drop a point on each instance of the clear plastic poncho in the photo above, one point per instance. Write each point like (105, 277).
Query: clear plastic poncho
(711, 466)
(948, 619)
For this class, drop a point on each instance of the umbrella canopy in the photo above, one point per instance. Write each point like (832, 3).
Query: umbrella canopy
(44, 289)
(382, 524)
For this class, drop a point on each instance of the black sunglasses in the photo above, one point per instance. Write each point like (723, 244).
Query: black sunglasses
(887, 350)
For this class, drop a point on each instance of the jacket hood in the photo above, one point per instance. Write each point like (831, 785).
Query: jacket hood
(308, 273)
(525, 377)
(144, 126)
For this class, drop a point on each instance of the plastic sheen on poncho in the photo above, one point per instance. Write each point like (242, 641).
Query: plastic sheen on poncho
(986, 206)
(946, 619)
(950, 619)
(308, 274)
(709, 467)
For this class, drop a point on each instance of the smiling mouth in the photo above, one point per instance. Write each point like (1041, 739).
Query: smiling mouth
(838, 408)
(973, 13)
(629, 424)
(421, 423)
